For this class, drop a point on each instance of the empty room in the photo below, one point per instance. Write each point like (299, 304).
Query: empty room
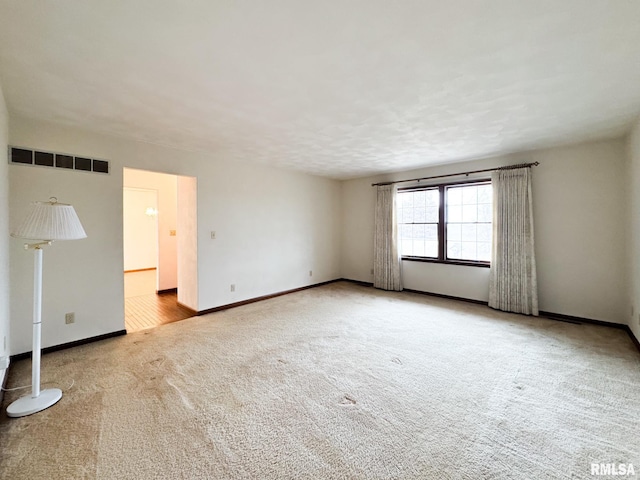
(320, 240)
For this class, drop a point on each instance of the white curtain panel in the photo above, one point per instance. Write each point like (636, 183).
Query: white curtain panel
(386, 258)
(513, 286)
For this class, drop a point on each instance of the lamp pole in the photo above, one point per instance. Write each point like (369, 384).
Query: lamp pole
(37, 321)
(39, 400)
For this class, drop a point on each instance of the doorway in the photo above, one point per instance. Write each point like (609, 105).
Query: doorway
(151, 246)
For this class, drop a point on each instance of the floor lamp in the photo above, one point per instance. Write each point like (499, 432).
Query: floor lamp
(47, 221)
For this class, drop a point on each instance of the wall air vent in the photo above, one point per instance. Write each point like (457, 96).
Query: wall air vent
(25, 156)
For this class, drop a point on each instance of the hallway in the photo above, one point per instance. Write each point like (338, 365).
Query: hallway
(143, 308)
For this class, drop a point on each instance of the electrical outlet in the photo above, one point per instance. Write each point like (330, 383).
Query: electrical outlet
(233, 287)
(372, 271)
(69, 318)
(213, 235)
(172, 233)
(311, 273)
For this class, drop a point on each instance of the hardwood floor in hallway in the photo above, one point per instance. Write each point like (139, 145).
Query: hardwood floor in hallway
(144, 308)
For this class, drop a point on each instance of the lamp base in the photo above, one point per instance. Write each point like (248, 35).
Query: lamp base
(27, 405)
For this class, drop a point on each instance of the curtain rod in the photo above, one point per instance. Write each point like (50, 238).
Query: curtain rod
(508, 167)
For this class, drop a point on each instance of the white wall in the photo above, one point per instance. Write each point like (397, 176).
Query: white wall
(4, 233)
(187, 257)
(140, 231)
(82, 276)
(633, 189)
(167, 188)
(273, 226)
(579, 226)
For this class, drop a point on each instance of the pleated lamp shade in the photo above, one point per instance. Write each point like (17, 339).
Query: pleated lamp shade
(51, 221)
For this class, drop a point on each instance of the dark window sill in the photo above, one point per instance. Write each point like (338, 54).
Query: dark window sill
(447, 262)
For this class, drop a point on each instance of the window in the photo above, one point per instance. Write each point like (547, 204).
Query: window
(446, 223)
(418, 217)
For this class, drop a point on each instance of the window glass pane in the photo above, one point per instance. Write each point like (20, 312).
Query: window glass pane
(431, 249)
(484, 251)
(433, 198)
(470, 213)
(454, 232)
(431, 214)
(406, 231)
(407, 215)
(485, 194)
(406, 246)
(419, 199)
(431, 232)
(454, 196)
(485, 212)
(419, 215)
(418, 248)
(469, 232)
(405, 199)
(454, 249)
(469, 195)
(484, 232)
(454, 214)
(418, 231)
(468, 251)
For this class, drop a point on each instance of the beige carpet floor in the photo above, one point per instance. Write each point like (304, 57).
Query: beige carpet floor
(335, 382)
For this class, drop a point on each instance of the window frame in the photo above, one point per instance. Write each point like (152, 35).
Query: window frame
(442, 225)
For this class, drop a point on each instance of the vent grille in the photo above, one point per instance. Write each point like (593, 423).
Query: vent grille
(24, 156)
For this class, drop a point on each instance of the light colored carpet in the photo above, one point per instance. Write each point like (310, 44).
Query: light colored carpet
(336, 382)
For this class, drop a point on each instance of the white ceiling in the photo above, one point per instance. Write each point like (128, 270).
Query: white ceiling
(333, 87)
